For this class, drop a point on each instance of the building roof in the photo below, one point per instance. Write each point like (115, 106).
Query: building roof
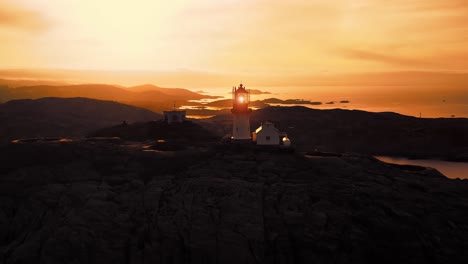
(266, 124)
(241, 89)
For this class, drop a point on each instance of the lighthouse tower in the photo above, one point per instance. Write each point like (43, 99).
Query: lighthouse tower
(241, 112)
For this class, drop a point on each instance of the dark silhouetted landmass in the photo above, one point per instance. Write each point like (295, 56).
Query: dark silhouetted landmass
(341, 130)
(147, 96)
(97, 202)
(188, 132)
(139, 95)
(102, 92)
(290, 101)
(64, 117)
(181, 93)
(95, 91)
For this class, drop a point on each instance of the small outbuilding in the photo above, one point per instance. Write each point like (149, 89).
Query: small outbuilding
(175, 116)
(266, 134)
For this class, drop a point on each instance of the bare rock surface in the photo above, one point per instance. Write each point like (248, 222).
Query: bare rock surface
(93, 202)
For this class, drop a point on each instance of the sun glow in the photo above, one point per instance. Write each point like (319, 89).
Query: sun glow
(241, 99)
(301, 36)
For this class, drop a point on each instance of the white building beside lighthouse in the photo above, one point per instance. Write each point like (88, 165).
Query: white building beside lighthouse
(268, 135)
(241, 113)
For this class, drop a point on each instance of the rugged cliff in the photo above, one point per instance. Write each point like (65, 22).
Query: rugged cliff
(97, 202)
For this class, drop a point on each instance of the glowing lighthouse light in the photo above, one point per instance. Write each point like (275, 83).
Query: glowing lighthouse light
(241, 113)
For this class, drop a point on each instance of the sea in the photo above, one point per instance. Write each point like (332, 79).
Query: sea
(450, 169)
(398, 99)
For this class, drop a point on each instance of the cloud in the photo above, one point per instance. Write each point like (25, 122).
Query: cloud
(17, 17)
(394, 60)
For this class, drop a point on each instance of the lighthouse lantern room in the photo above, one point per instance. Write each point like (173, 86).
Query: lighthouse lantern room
(241, 112)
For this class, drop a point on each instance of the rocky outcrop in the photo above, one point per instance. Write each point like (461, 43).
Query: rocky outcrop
(95, 202)
(64, 117)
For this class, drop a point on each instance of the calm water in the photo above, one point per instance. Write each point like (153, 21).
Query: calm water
(374, 99)
(450, 169)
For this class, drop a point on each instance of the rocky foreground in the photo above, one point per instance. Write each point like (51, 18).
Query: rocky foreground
(101, 202)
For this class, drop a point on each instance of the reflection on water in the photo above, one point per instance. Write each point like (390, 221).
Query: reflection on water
(452, 170)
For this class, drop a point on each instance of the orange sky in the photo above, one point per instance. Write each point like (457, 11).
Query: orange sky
(229, 36)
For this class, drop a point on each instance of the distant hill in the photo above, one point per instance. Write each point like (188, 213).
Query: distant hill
(101, 91)
(64, 117)
(134, 95)
(175, 92)
(95, 91)
(364, 132)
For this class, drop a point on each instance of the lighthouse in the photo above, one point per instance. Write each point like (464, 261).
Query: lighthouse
(241, 112)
